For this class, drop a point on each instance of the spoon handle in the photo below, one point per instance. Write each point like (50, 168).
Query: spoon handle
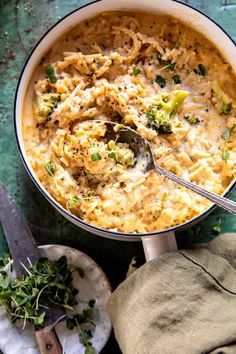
(224, 203)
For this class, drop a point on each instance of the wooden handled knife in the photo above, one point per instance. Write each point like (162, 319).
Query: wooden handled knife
(23, 248)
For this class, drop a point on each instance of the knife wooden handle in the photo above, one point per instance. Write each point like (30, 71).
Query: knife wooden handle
(48, 341)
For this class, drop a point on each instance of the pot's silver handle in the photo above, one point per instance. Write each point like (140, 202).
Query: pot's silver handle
(224, 203)
(156, 245)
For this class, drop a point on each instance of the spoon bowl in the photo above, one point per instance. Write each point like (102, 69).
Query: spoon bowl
(139, 145)
(142, 150)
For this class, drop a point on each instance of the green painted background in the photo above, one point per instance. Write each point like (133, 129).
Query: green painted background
(22, 23)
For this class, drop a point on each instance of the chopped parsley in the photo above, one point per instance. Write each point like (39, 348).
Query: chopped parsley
(50, 73)
(136, 71)
(176, 79)
(161, 81)
(112, 155)
(227, 133)
(50, 167)
(171, 66)
(201, 70)
(96, 156)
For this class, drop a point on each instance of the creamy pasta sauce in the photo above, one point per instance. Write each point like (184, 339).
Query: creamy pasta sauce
(150, 73)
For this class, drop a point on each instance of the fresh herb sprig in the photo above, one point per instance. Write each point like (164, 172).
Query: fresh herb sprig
(84, 322)
(112, 155)
(136, 71)
(160, 80)
(44, 284)
(75, 200)
(96, 156)
(50, 73)
(176, 79)
(171, 66)
(51, 168)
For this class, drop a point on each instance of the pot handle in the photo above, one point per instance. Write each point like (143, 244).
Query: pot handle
(155, 246)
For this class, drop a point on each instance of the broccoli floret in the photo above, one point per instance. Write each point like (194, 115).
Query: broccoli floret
(160, 114)
(159, 120)
(121, 154)
(192, 119)
(224, 103)
(45, 104)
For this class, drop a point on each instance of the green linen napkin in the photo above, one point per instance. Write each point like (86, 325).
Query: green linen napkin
(180, 303)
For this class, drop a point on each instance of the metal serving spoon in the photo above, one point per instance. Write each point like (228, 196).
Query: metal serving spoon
(141, 148)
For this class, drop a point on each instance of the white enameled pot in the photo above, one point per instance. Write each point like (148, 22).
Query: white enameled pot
(155, 243)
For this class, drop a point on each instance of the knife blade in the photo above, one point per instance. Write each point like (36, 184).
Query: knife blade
(24, 250)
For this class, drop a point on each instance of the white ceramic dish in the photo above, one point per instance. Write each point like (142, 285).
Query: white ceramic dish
(155, 243)
(94, 285)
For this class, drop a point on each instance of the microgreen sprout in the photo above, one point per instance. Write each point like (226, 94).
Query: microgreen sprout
(50, 73)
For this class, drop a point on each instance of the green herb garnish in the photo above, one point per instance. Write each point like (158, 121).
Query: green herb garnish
(96, 156)
(75, 200)
(217, 228)
(176, 79)
(45, 283)
(201, 70)
(136, 71)
(83, 321)
(225, 155)
(112, 155)
(50, 73)
(227, 133)
(161, 81)
(171, 66)
(50, 167)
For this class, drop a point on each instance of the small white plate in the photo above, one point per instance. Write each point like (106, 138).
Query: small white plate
(94, 285)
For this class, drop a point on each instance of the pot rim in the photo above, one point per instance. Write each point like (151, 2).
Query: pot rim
(71, 217)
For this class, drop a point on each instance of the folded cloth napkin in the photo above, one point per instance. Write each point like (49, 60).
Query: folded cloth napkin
(180, 303)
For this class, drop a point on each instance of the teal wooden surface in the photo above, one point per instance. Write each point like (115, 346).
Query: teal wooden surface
(22, 23)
